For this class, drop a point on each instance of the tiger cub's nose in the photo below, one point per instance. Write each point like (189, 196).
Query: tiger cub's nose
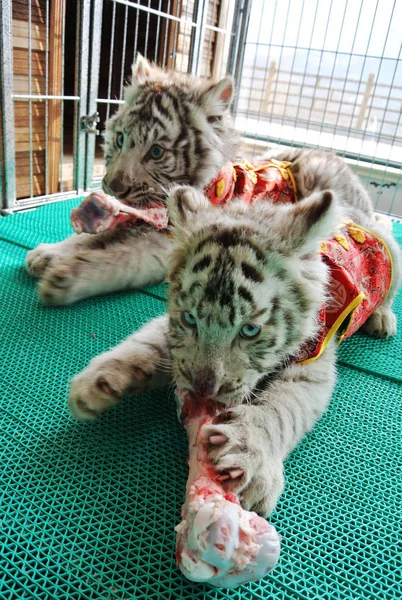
(204, 383)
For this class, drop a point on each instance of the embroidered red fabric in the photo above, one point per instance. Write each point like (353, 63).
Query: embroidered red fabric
(250, 182)
(360, 267)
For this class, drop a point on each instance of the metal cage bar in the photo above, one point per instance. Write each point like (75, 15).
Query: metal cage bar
(30, 93)
(197, 39)
(46, 101)
(237, 47)
(61, 158)
(93, 88)
(81, 78)
(7, 173)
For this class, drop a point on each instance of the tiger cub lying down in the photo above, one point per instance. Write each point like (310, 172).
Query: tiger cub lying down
(257, 305)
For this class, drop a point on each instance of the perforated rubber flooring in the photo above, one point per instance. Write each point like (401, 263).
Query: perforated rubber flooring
(88, 510)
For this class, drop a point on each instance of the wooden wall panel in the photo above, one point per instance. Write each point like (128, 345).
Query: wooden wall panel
(55, 89)
(21, 86)
(38, 10)
(21, 35)
(21, 114)
(23, 172)
(38, 62)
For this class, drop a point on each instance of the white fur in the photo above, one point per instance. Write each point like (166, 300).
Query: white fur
(73, 270)
(139, 363)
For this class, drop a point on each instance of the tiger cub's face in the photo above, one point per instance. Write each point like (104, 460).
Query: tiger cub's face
(246, 286)
(171, 129)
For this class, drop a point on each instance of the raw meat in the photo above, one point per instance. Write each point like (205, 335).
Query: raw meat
(100, 212)
(217, 541)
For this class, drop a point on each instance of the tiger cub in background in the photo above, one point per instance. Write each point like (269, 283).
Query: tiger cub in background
(172, 128)
(247, 284)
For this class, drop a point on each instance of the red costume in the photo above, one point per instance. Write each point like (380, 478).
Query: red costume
(360, 268)
(249, 182)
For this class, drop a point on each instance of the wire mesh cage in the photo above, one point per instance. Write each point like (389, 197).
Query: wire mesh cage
(328, 74)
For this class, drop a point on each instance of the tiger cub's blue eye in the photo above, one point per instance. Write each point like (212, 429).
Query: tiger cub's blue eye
(156, 152)
(188, 319)
(119, 140)
(249, 331)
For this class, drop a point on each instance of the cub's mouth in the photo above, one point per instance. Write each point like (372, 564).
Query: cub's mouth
(192, 406)
(225, 399)
(139, 195)
(123, 195)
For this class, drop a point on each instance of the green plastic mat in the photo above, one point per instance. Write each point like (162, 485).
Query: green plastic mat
(88, 510)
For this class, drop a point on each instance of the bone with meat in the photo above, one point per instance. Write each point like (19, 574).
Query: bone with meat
(217, 541)
(99, 212)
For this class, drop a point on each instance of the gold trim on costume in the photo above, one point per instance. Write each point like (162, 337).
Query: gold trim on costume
(342, 337)
(345, 313)
(388, 252)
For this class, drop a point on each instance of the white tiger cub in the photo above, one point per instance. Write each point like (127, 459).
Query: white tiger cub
(172, 128)
(247, 283)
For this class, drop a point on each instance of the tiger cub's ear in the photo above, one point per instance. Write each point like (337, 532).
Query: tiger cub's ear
(303, 226)
(141, 70)
(184, 205)
(217, 97)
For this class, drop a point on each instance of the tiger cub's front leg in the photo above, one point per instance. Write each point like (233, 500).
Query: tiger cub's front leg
(249, 443)
(103, 263)
(139, 363)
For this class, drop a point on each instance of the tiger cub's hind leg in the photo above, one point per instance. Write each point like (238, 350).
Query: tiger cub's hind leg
(382, 323)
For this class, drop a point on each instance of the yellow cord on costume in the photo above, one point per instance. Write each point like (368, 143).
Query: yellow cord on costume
(349, 310)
